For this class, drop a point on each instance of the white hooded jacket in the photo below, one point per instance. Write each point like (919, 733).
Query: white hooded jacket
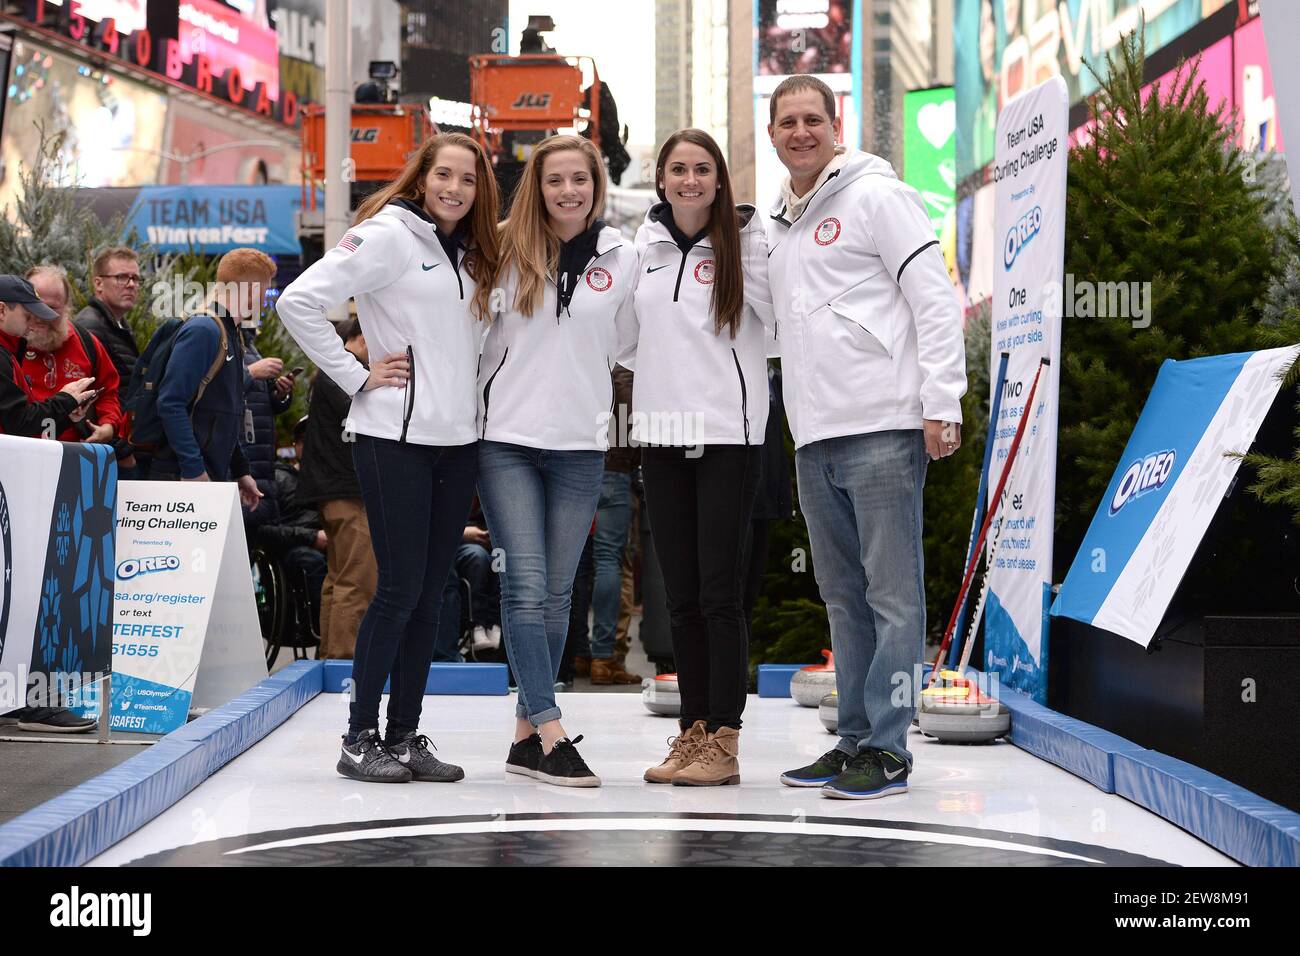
(870, 329)
(544, 381)
(410, 299)
(694, 386)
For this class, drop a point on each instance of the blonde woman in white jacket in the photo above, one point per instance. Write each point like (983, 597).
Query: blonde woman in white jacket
(700, 404)
(545, 395)
(418, 262)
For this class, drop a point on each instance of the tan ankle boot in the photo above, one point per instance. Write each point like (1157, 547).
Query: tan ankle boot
(683, 748)
(715, 763)
(609, 671)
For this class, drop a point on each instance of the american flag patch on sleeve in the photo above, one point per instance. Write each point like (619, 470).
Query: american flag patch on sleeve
(351, 242)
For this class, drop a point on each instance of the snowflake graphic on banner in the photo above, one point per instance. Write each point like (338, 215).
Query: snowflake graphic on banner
(71, 662)
(63, 541)
(51, 622)
(93, 530)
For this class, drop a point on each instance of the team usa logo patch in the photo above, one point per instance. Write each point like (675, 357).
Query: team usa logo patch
(704, 272)
(600, 280)
(351, 242)
(827, 231)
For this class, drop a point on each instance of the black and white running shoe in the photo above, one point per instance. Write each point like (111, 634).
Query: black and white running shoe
(413, 751)
(525, 756)
(49, 720)
(370, 761)
(564, 766)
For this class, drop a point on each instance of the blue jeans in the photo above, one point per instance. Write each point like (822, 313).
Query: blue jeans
(539, 505)
(473, 563)
(613, 518)
(861, 496)
(417, 499)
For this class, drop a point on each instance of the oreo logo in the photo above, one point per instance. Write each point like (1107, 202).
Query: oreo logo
(1144, 475)
(704, 272)
(134, 567)
(600, 280)
(6, 567)
(1021, 234)
(827, 231)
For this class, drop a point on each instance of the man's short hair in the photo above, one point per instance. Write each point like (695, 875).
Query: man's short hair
(797, 84)
(105, 256)
(349, 329)
(49, 269)
(245, 264)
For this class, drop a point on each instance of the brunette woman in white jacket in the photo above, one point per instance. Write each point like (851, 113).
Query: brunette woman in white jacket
(418, 261)
(699, 399)
(545, 397)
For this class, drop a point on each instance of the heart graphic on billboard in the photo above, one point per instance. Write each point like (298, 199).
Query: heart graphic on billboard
(937, 122)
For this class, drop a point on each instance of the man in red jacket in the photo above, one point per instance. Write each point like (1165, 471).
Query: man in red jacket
(59, 352)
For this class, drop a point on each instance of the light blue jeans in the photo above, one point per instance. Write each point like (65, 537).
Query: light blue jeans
(861, 496)
(613, 518)
(539, 506)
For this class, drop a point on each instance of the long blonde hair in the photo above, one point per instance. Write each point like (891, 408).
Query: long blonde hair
(481, 261)
(528, 245)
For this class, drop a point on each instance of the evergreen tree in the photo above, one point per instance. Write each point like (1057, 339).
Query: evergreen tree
(50, 224)
(1162, 196)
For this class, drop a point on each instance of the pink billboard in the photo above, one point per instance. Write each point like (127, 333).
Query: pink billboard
(1236, 75)
(229, 39)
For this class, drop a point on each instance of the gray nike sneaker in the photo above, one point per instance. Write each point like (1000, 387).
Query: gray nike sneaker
(370, 761)
(412, 751)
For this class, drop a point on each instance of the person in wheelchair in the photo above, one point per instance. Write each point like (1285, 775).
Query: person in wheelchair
(472, 571)
(297, 539)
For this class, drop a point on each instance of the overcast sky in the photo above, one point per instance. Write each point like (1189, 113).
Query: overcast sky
(619, 35)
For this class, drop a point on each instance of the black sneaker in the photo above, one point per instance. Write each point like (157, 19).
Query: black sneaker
(525, 756)
(49, 720)
(871, 774)
(826, 768)
(370, 761)
(564, 766)
(411, 750)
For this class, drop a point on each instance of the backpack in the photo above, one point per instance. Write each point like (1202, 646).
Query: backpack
(147, 376)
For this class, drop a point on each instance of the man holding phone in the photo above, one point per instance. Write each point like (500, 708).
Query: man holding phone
(21, 413)
(59, 353)
(201, 395)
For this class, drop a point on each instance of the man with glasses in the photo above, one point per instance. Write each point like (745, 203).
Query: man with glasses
(115, 276)
(58, 353)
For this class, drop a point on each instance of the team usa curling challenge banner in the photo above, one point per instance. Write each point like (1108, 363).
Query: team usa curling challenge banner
(1029, 223)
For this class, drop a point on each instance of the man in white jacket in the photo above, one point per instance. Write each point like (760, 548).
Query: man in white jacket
(874, 366)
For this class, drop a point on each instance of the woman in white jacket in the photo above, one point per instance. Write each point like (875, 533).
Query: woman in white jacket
(418, 261)
(545, 395)
(700, 396)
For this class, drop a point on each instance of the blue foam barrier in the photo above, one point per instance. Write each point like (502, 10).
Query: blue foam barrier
(1230, 818)
(1084, 750)
(79, 825)
(478, 680)
(774, 679)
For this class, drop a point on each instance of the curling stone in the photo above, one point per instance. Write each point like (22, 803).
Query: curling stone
(810, 684)
(829, 711)
(661, 695)
(957, 712)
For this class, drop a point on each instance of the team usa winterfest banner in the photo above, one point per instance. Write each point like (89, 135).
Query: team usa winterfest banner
(1175, 471)
(56, 569)
(1029, 223)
